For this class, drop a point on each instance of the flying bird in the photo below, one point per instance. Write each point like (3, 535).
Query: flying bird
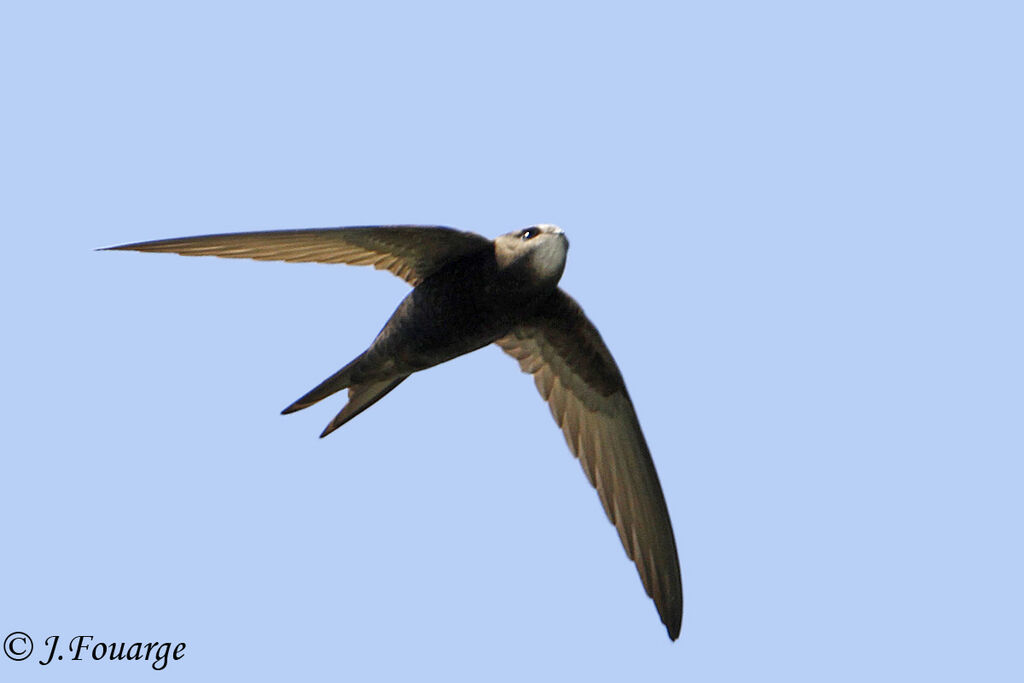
(468, 292)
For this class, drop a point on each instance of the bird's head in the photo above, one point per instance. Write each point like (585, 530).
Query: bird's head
(534, 255)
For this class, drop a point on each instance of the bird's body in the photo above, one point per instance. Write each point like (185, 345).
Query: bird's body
(470, 292)
(466, 305)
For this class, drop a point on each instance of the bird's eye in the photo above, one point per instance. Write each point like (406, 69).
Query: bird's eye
(529, 233)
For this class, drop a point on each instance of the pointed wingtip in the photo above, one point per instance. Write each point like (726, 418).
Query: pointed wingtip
(674, 626)
(131, 246)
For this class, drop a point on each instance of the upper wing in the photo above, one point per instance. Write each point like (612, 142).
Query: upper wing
(577, 376)
(412, 252)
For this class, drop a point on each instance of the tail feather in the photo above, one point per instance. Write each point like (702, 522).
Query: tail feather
(342, 379)
(361, 397)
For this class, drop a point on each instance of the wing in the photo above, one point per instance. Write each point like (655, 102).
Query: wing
(577, 376)
(412, 252)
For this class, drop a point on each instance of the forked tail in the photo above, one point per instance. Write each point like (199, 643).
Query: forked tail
(342, 379)
(360, 396)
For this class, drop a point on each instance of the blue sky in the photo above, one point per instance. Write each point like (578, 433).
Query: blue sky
(797, 226)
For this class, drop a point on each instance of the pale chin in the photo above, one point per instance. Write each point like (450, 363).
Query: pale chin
(548, 259)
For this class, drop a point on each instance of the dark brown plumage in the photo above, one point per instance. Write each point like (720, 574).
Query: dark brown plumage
(469, 292)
